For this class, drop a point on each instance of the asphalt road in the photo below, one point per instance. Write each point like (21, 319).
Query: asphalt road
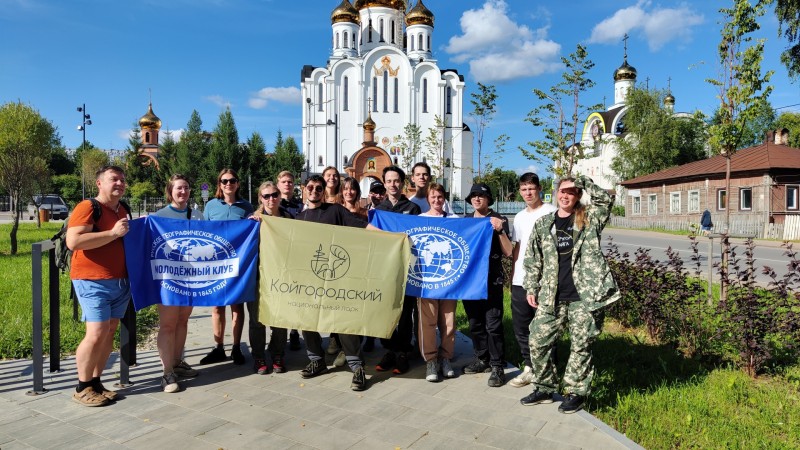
(767, 253)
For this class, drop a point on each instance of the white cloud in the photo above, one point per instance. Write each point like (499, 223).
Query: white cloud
(499, 49)
(219, 101)
(659, 25)
(532, 168)
(289, 95)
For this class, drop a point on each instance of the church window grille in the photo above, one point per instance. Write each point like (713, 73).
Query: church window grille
(396, 95)
(429, 42)
(346, 94)
(393, 33)
(319, 97)
(386, 91)
(345, 41)
(425, 95)
(374, 94)
(369, 31)
(448, 99)
(337, 40)
(420, 43)
(412, 43)
(380, 30)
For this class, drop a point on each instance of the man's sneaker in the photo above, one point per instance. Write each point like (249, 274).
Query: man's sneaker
(214, 356)
(369, 344)
(477, 366)
(236, 355)
(523, 379)
(88, 397)
(447, 368)
(333, 346)
(314, 368)
(537, 397)
(340, 360)
(277, 364)
(184, 370)
(294, 340)
(359, 382)
(498, 377)
(169, 383)
(572, 403)
(432, 371)
(386, 363)
(401, 363)
(261, 367)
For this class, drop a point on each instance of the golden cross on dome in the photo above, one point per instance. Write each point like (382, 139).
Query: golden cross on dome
(625, 44)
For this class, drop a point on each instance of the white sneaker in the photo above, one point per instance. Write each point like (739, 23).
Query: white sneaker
(432, 371)
(523, 379)
(169, 383)
(447, 369)
(340, 360)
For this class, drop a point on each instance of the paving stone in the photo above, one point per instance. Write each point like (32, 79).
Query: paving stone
(183, 420)
(249, 416)
(436, 441)
(305, 389)
(399, 435)
(24, 427)
(578, 433)
(5, 438)
(16, 445)
(355, 402)
(504, 438)
(307, 410)
(164, 438)
(501, 419)
(62, 408)
(88, 441)
(419, 401)
(416, 418)
(232, 435)
(54, 434)
(316, 435)
(116, 425)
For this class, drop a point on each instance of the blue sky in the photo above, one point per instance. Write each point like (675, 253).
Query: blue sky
(247, 54)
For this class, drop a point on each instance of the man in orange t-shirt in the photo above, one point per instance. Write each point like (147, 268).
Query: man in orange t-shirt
(100, 279)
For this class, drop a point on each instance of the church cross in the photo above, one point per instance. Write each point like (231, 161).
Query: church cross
(625, 44)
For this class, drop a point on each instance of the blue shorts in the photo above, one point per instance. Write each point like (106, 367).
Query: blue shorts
(102, 300)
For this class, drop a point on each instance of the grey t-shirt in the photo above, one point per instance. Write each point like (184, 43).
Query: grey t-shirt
(172, 213)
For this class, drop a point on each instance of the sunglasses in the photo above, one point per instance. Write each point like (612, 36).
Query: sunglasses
(317, 188)
(225, 181)
(268, 196)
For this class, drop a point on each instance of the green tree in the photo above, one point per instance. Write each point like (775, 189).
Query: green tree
(27, 141)
(225, 146)
(191, 155)
(753, 134)
(285, 156)
(790, 121)
(61, 163)
(254, 165)
(410, 143)
(740, 84)
(143, 189)
(656, 139)
(68, 186)
(91, 161)
(559, 115)
(138, 168)
(167, 155)
(484, 103)
(788, 15)
(504, 183)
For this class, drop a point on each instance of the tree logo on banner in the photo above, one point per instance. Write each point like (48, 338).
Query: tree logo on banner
(330, 266)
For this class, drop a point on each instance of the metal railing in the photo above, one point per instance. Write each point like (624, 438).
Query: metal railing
(127, 331)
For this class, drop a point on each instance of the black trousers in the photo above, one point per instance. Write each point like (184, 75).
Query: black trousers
(401, 337)
(486, 326)
(521, 316)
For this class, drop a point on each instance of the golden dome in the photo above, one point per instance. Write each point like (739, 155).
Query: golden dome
(150, 121)
(394, 4)
(669, 100)
(419, 15)
(345, 12)
(369, 124)
(625, 72)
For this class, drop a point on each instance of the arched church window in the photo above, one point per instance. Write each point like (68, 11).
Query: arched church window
(425, 95)
(369, 30)
(147, 137)
(393, 33)
(420, 43)
(412, 43)
(380, 30)
(374, 94)
(396, 95)
(319, 96)
(395, 160)
(620, 128)
(345, 159)
(346, 94)
(337, 40)
(319, 161)
(345, 41)
(429, 42)
(385, 91)
(448, 100)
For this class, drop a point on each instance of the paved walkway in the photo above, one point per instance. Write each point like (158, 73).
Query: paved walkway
(229, 406)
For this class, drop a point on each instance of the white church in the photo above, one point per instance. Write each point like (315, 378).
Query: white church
(380, 77)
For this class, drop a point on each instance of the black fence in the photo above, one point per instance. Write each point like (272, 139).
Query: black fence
(127, 331)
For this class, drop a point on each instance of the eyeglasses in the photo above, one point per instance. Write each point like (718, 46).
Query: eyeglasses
(225, 181)
(316, 188)
(268, 196)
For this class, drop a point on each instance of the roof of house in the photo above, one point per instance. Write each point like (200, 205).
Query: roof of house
(762, 157)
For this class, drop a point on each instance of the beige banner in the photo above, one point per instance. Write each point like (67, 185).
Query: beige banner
(331, 279)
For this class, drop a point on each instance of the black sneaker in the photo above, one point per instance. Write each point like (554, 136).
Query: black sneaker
(477, 366)
(294, 340)
(572, 403)
(537, 397)
(214, 356)
(314, 368)
(401, 363)
(498, 377)
(237, 356)
(359, 379)
(386, 363)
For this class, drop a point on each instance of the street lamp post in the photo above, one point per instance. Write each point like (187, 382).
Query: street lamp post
(86, 120)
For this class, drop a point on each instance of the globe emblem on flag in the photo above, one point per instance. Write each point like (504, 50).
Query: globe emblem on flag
(438, 257)
(192, 249)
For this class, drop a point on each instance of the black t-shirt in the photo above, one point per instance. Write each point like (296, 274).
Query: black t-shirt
(292, 205)
(331, 214)
(496, 274)
(565, 245)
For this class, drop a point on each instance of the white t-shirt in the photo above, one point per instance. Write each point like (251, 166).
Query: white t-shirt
(521, 233)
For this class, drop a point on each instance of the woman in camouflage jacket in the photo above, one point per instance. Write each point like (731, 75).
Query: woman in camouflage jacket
(568, 280)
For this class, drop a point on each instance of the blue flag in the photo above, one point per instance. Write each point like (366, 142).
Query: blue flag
(451, 255)
(191, 262)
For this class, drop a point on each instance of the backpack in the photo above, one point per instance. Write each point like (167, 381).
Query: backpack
(63, 253)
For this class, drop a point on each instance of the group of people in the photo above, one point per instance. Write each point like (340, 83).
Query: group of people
(559, 276)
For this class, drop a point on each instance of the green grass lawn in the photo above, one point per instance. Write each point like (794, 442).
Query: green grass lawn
(15, 295)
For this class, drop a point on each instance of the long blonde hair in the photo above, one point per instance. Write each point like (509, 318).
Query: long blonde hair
(264, 185)
(580, 209)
